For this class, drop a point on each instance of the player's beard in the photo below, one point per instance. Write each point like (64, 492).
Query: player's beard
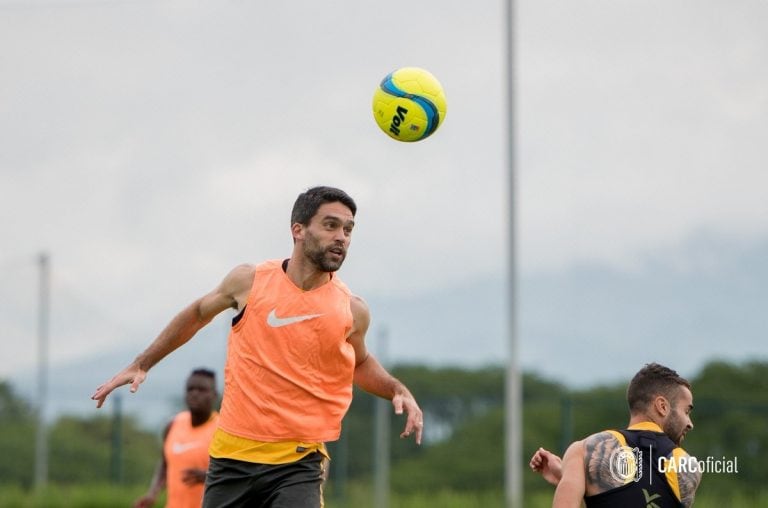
(319, 255)
(675, 428)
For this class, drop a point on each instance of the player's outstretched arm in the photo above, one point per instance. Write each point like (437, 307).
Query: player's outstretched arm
(233, 289)
(548, 465)
(372, 377)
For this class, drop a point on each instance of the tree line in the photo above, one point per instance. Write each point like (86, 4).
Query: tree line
(464, 443)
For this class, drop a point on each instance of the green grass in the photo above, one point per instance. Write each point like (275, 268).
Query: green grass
(358, 496)
(76, 496)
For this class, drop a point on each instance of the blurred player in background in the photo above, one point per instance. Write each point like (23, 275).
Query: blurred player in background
(184, 461)
(297, 345)
(621, 468)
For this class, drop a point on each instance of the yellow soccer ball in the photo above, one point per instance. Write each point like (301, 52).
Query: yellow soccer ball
(409, 104)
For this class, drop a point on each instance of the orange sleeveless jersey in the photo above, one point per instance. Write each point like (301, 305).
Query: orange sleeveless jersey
(289, 369)
(186, 447)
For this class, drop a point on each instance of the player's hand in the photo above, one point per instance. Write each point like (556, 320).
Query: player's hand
(193, 476)
(132, 375)
(415, 422)
(548, 465)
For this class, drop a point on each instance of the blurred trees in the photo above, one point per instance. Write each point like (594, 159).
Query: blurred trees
(730, 419)
(464, 441)
(17, 438)
(81, 449)
(463, 448)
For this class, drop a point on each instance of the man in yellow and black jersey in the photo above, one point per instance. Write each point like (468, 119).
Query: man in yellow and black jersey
(622, 467)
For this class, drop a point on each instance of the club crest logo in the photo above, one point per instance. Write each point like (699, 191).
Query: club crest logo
(626, 464)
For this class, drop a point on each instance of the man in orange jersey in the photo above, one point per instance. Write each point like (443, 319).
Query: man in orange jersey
(186, 439)
(296, 347)
(640, 466)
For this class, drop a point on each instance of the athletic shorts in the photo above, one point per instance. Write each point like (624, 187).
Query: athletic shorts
(235, 483)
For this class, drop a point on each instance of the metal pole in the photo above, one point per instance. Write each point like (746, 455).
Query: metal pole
(116, 451)
(513, 399)
(41, 437)
(381, 435)
(566, 422)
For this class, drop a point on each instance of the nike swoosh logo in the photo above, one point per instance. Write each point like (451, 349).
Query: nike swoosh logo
(183, 447)
(277, 322)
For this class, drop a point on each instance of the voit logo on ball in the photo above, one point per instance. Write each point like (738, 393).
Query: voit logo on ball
(626, 464)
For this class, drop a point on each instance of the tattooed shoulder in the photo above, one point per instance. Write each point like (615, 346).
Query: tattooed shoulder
(597, 462)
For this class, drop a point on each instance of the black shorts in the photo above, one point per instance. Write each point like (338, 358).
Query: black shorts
(235, 483)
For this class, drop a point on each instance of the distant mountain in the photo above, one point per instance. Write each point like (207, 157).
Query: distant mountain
(158, 398)
(590, 324)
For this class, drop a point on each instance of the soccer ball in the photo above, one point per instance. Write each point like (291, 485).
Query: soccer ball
(409, 104)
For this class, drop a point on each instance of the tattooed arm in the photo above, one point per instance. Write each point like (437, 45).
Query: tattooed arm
(688, 481)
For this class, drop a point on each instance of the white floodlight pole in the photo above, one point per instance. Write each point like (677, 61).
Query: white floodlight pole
(41, 436)
(381, 429)
(513, 485)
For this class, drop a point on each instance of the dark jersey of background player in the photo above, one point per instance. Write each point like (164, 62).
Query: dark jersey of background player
(603, 470)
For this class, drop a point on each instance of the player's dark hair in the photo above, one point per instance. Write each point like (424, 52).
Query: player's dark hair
(206, 373)
(652, 380)
(309, 202)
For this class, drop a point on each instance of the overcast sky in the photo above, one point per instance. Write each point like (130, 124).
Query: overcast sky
(149, 146)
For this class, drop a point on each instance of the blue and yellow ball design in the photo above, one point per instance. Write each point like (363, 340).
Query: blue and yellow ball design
(409, 104)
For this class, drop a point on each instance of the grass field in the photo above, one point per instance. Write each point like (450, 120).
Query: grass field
(447, 499)
(81, 496)
(110, 496)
